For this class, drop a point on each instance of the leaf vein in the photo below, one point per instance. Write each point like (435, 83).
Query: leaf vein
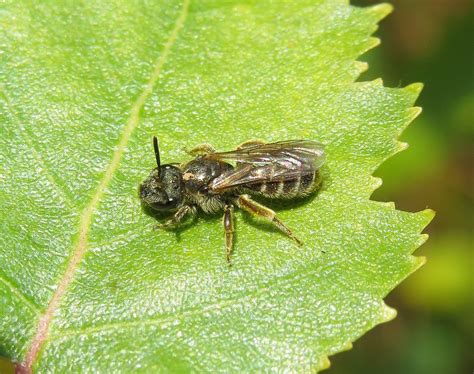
(24, 134)
(14, 289)
(43, 326)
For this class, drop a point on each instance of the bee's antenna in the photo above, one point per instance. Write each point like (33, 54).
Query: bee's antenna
(157, 152)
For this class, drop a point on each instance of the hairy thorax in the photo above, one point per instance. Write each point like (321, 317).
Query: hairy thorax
(197, 176)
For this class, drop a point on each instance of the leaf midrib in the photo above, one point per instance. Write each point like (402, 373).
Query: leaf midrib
(81, 246)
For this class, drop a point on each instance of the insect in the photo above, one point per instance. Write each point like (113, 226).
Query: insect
(216, 181)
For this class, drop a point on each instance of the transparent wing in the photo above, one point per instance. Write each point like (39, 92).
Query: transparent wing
(278, 161)
(297, 151)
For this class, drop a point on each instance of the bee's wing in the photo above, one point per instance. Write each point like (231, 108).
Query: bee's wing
(297, 151)
(283, 160)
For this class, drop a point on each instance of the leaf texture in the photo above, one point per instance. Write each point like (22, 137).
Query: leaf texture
(87, 285)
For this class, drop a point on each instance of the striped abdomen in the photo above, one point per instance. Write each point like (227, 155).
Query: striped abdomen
(287, 188)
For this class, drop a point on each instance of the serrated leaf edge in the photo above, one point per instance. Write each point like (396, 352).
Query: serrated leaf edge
(388, 313)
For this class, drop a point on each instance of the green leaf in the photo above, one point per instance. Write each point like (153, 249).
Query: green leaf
(86, 284)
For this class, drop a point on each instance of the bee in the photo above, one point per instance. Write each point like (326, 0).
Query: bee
(219, 181)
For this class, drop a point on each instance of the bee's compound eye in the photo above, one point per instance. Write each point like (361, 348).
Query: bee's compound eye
(143, 191)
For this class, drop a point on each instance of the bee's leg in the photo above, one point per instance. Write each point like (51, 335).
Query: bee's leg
(228, 222)
(250, 143)
(246, 203)
(177, 217)
(201, 149)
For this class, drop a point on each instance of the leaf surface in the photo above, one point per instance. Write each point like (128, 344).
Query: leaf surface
(85, 282)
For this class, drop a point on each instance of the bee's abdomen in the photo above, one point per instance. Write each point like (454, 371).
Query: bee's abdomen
(287, 188)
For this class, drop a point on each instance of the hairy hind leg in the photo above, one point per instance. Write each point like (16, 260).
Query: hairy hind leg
(246, 203)
(228, 222)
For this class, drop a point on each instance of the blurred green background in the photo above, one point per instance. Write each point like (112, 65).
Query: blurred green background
(429, 41)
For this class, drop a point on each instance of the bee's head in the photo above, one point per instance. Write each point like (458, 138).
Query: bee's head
(162, 190)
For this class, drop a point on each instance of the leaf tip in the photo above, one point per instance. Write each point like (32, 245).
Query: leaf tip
(415, 88)
(347, 346)
(414, 112)
(361, 66)
(429, 214)
(402, 146)
(373, 42)
(376, 182)
(377, 82)
(423, 239)
(381, 10)
(325, 363)
(426, 216)
(418, 262)
(388, 313)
